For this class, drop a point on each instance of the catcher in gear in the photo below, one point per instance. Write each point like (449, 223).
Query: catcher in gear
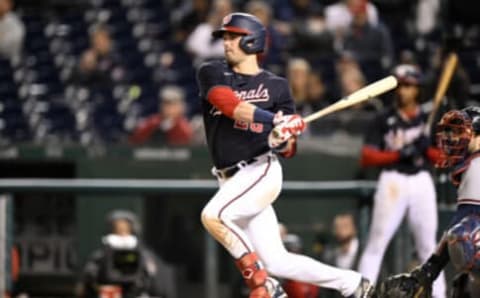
(458, 136)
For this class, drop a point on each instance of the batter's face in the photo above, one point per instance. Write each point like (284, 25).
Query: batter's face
(407, 94)
(233, 53)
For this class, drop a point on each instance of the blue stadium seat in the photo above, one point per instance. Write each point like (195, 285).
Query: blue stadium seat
(15, 129)
(61, 121)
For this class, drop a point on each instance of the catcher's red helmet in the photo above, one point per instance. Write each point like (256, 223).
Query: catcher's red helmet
(454, 132)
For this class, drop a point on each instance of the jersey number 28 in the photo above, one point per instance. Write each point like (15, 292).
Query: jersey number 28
(253, 127)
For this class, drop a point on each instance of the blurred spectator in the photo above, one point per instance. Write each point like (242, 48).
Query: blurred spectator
(272, 57)
(319, 96)
(426, 19)
(351, 79)
(344, 252)
(200, 42)
(12, 31)
(289, 11)
(298, 70)
(310, 38)
(349, 75)
(125, 265)
(339, 16)
(371, 45)
(99, 65)
(407, 57)
(186, 17)
(458, 89)
(170, 126)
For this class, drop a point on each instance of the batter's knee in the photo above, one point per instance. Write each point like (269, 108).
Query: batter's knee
(210, 221)
(206, 218)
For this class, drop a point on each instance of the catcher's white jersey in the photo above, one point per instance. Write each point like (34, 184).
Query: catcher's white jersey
(468, 190)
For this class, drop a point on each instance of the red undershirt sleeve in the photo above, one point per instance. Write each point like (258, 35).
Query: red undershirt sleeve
(375, 157)
(224, 99)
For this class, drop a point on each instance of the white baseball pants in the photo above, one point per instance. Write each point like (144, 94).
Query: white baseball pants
(240, 216)
(398, 194)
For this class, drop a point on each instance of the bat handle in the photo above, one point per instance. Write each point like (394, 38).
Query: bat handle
(275, 132)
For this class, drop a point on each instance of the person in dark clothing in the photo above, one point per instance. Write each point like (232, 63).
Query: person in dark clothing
(125, 264)
(99, 65)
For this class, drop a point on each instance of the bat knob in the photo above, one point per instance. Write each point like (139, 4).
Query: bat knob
(276, 133)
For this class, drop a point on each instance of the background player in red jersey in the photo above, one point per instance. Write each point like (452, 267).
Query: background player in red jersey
(242, 103)
(458, 136)
(396, 142)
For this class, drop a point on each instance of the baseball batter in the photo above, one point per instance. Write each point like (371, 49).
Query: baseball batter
(242, 103)
(458, 136)
(396, 142)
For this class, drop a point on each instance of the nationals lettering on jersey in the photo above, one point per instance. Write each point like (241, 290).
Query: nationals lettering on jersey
(391, 131)
(230, 141)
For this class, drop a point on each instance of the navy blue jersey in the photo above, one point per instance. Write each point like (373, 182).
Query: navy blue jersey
(230, 141)
(390, 131)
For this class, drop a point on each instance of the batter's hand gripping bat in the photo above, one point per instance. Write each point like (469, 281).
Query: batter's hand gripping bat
(366, 93)
(445, 78)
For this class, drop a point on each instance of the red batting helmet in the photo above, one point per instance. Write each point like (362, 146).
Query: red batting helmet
(408, 74)
(250, 26)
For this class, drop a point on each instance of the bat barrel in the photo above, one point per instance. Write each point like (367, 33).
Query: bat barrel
(366, 93)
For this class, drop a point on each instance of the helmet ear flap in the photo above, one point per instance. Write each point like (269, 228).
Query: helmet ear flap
(252, 29)
(253, 43)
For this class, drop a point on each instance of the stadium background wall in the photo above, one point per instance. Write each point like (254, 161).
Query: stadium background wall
(75, 222)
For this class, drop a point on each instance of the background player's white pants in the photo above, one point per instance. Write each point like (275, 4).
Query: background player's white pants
(243, 204)
(396, 195)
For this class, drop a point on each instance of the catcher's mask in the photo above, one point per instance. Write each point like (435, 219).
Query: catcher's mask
(464, 244)
(454, 132)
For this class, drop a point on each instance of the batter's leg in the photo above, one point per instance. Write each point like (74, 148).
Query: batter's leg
(390, 203)
(264, 234)
(423, 220)
(238, 200)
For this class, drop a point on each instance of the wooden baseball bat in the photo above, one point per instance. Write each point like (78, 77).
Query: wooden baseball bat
(368, 92)
(445, 78)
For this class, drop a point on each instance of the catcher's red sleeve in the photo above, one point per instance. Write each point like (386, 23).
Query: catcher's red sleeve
(375, 157)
